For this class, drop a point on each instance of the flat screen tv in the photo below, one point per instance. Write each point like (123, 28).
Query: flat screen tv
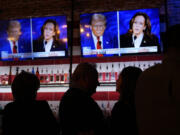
(33, 38)
(129, 32)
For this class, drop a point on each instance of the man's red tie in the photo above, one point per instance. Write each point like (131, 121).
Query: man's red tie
(99, 47)
(14, 47)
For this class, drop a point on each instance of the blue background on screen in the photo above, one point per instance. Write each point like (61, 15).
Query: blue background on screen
(111, 26)
(37, 23)
(153, 13)
(25, 29)
(124, 19)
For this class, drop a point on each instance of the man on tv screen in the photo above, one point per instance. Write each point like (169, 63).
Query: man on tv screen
(99, 39)
(13, 44)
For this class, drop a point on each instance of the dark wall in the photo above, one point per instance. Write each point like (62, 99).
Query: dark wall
(27, 8)
(173, 7)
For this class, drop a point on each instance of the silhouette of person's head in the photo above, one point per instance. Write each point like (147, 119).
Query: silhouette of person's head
(171, 39)
(85, 77)
(126, 83)
(25, 86)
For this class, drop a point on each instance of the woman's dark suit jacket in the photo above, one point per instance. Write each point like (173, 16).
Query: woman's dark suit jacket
(147, 41)
(38, 46)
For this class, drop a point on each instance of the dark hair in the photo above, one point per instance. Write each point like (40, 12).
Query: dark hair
(25, 86)
(129, 76)
(147, 31)
(171, 38)
(56, 29)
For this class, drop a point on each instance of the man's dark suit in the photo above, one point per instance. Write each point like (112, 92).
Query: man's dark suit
(23, 47)
(109, 42)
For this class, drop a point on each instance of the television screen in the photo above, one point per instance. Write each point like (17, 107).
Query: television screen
(15, 39)
(120, 33)
(49, 36)
(33, 38)
(106, 30)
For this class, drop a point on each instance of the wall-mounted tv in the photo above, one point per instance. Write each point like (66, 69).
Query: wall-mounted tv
(33, 38)
(128, 32)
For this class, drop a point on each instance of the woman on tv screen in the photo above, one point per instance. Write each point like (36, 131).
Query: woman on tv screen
(139, 34)
(49, 39)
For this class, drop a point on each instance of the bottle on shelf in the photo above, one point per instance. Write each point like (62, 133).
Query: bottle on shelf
(115, 73)
(103, 74)
(42, 77)
(54, 75)
(46, 77)
(119, 68)
(57, 77)
(100, 74)
(17, 70)
(125, 65)
(51, 77)
(107, 78)
(113, 76)
(10, 76)
(66, 78)
(37, 73)
(62, 76)
(33, 72)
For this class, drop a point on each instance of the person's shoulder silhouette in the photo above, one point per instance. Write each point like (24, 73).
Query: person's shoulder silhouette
(123, 115)
(157, 92)
(78, 112)
(26, 115)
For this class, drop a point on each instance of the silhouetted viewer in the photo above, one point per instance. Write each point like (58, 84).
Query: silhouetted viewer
(79, 114)
(25, 115)
(158, 91)
(123, 116)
